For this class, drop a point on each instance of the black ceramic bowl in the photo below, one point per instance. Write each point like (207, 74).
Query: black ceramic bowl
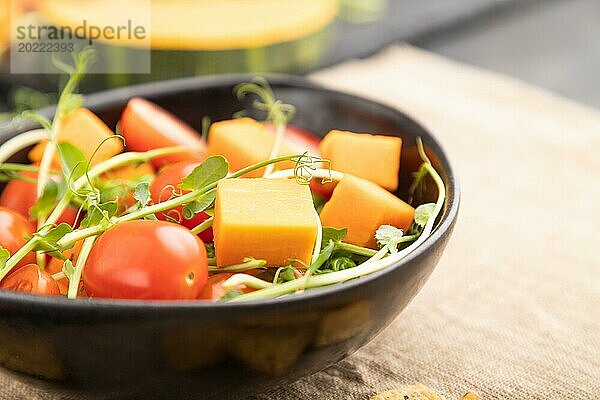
(111, 349)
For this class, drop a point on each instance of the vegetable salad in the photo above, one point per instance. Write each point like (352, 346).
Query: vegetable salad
(244, 210)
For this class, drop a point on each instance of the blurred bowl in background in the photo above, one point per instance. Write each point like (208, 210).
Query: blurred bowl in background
(190, 38)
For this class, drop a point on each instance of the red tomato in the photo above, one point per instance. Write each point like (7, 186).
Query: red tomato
(325, 190)
(14, 233)
(147, 126)
(20, 196)
(214, 290)
(161, 190)
(29, 278)
(146, 260)
(300, 140)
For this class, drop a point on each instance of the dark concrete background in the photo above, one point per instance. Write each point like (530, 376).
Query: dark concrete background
(552, 43)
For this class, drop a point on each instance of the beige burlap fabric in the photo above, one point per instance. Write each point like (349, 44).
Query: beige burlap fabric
(513, 309)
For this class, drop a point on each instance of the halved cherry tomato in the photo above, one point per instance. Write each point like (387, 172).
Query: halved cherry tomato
(147, 126)
(31, 279)
(161, 190)
(214, 290)
(325, 190)
(20, 196)
(14, 233)
(300, 140)
(146, 260)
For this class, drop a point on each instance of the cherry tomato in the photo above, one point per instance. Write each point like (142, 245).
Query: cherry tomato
(20, 196)
(147, 126)
(146, 260)
(325, 190)
(14, 233)
(29, 278)
(161, 190)
(300, 140)
(214, 290)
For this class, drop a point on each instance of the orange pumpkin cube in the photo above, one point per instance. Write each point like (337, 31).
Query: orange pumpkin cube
(270, 219)
(362, 207)
(372, 157)
(83, 129)
(244, 142)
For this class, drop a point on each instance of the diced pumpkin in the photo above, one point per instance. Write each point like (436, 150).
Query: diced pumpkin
(362, 207)
(372, 157)
(270, 219)
(244, 142)
(85, 130)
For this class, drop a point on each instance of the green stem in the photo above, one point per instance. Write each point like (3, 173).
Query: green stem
(207, 223)
(18, 256)
(352, 248)
(248, 265)
(79, 234)
(81, 260)
(314, 281)
(114, 162)
(22, 167)
(247, 280)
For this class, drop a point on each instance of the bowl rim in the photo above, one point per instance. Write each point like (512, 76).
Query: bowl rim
(107, 98)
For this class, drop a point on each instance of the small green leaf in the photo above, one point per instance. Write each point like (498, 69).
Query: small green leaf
(142, 193)
(46, 201)
(193, 208)
(390, 236)
(341, 263)
(68, 269)
(210, 250)
(334, 234)
(73, 160)
(231, 294)
(322, 258)
(100, 214)
(48, 242)
(318, 202)
(285, 274)
(423, 213)
(210, 171)
(4, 256)
(58, 232)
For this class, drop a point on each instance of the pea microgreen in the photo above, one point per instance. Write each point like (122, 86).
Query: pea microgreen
(423, 213)
(4, 256)
(142, 193)
(213, 169)
(46, 202)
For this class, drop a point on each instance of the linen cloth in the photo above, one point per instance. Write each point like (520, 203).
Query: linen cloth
(513, 309)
